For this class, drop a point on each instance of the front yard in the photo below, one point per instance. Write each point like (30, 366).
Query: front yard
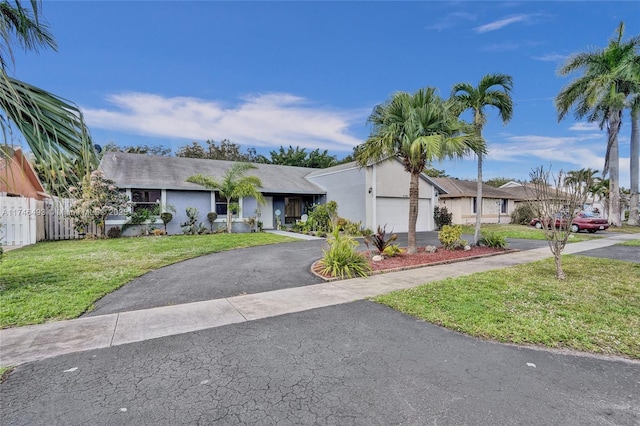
(525, 232)
(61, 280)
(595, 309)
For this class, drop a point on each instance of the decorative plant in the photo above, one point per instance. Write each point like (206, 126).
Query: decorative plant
(523, 214)
(451, 237)
(98, 198)
(189, 226)
(251, 221)
(391, 250)
(442, 217)
(142, 217)
(166, 217)
(211, 218)
(114, 232)
(493, 240)
(379, 240)
(341, 259)
(321, 217)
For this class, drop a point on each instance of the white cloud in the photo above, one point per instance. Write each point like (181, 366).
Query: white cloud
(263, 120)
(501, 23)
(582, 126)
(550, 57)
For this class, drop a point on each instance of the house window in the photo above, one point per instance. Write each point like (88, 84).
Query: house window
(474, 206)
(504, 203)
(145, 199)
(221, 204)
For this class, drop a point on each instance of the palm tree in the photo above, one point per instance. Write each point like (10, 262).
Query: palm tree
(493, 90)
(416, 129)
(600, 94)
(233, 186)
(633, 77)
(52, 127)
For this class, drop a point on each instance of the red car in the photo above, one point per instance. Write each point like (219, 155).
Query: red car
(584, 221)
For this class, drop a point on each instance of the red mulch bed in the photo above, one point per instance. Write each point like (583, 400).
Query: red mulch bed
(422, 258)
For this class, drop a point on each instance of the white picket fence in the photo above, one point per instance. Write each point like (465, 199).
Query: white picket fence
(21, 221)
(25, 221)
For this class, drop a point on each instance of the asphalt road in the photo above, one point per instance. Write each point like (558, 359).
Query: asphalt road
(353, 364)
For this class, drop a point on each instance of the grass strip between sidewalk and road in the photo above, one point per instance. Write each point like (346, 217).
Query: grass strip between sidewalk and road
(62, 279)
(595, 309)
(630, 243)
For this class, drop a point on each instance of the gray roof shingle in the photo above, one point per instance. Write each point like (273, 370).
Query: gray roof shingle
(149, 171)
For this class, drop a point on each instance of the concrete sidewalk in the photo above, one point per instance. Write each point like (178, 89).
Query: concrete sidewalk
(24, 344)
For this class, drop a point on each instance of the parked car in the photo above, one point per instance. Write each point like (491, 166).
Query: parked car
(584, 221)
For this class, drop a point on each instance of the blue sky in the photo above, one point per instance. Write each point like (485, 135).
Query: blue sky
(265, 74)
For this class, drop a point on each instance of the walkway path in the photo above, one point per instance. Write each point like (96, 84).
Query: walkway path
(24, 344)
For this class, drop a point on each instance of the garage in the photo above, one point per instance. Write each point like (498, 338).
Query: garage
(394, 212)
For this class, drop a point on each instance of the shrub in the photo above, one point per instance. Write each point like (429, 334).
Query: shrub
(379, 239)
(442, 217)
(114, 232)
(321, 217)
(353, 228)
(451, 237)
(166, 217)
(341, 258)
(523, 214)
(190, 227)
(211, 218)
(494, 240)
(391, 250)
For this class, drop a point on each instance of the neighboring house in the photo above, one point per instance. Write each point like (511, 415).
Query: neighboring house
(22, 195)
(18, 177)
(376, 194)
(459, 197)
(525, 191)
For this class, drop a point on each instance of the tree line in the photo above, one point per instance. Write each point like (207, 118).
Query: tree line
(229, 151)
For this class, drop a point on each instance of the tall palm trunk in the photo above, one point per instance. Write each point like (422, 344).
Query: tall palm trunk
(413, 212)
(614, 168)
(479, 203)
(476, 235)
(635, 167)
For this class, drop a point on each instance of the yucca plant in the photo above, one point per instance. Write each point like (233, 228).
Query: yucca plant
(341, 259)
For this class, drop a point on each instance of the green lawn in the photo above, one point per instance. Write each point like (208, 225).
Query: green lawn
(524, 232)
(625, 229)
(631, 243)
(62, 279)
(596, 308)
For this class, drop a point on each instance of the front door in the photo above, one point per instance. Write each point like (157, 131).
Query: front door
(266, 212)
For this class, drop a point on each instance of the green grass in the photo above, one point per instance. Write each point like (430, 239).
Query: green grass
(61, 280)
(631, 243)
(596, 308)
(3, 372)
(625, 229)
(523, 232)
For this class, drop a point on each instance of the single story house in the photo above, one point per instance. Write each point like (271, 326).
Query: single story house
(459, 197)
(374, 195)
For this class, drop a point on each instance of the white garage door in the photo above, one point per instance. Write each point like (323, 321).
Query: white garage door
(394, 212)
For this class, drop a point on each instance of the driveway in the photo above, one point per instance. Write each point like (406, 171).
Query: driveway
(242, 271)
(353, 364)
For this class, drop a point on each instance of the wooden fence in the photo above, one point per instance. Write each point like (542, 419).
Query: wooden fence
(58, 225)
